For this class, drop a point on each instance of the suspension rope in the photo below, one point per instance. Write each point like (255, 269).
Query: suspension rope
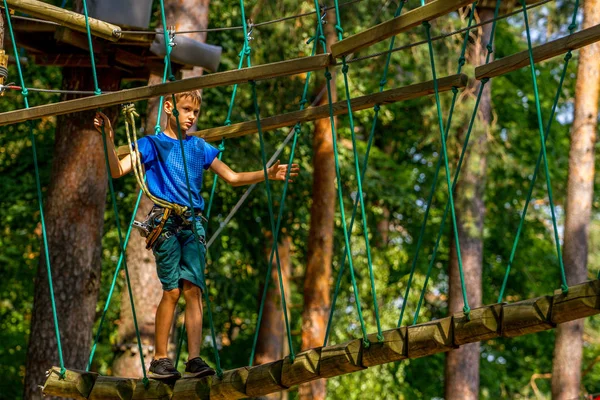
(376, 109)
(114, 201)
(190, 198)
(38, 184)
(322, 39)
(461, 63)
(543, 138)
(247, 52)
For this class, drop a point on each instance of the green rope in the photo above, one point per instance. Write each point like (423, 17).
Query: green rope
(461, 63)
(114, 202)
(376, 109)
(328, 78)
(38, 183)
(297, 129)
(190, 197)
(490, 50)
(543, 137)
(538, 107)
(212, 195)
(113, 284)
(345, 69)
(157, 128)
(267, 188)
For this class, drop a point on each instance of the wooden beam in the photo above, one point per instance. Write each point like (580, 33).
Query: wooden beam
(540, 53)
(339, 108)
(395, 26)
(304, 368)
(71, 60)
(77, 39)
(70, 19)
(523, 317)
(265, 71)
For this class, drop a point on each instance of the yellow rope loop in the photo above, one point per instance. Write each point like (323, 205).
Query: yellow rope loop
(130, 113)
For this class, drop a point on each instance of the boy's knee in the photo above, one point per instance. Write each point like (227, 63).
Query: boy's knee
(190, 290)
(172, 295)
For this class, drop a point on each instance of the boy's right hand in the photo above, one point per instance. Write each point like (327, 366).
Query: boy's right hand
(102, 120)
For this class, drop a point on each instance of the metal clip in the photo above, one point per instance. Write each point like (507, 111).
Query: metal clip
(250, 26)
(323, 8)
(171, 31)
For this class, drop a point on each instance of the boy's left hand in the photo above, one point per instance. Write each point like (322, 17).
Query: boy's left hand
(278, 171)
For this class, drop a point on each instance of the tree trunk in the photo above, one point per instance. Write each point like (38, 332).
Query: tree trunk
(566, 371)
(462, 365)
(272, 337)
(185, 15)
(74, 213)
(317, 298)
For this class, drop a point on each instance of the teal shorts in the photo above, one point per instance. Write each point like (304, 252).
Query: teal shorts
(180, 257)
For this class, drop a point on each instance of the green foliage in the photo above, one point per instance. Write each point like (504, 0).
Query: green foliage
(396, 186)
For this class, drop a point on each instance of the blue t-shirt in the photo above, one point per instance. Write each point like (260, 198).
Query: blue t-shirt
(161, 157)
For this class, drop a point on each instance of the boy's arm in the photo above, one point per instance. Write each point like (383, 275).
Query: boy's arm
(118, 168)
(276, 172)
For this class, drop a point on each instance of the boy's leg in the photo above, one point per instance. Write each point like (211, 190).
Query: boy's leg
(164, 320)
(193, 317)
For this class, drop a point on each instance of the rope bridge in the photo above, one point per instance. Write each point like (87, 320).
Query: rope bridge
(413, 341)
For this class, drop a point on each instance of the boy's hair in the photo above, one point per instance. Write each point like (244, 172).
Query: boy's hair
(195, 95)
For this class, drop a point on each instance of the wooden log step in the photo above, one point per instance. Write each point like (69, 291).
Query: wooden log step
(395, 26)
(265, 71)
(75, 385)
(540, 53)
(483, 324)
(70, 19)
(304, 368)
(580, 301)
(112, 388)
(156, 389)
(527, 316)
(264, 379)
(192, 388)
(430, 338)
(231, 386)
(339, 108)
(341, 359)
(392, 348)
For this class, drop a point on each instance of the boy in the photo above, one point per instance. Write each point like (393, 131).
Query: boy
(179, 266)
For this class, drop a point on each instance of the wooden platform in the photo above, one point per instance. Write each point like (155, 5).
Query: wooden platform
(265, 71)
(395, 26)
(508, 320)
(339, 108)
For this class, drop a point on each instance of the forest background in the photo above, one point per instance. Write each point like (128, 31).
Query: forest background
(396, 186)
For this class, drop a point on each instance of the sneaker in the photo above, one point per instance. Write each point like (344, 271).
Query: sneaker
(196, 368)
(163, 368)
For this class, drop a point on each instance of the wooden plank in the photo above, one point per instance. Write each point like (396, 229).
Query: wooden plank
(483, 324)
(430, 338)
(70, 19)
(231, 386)
(265, 71)
(341, 359)
(264, 379)
(112, 388)
(395, 26)
(71, 60)
(339, 108)
(580, 301)
(540, 53)
(527, 316)
(392, 348)
(304, 368)
(156, 390)
(75, 385)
